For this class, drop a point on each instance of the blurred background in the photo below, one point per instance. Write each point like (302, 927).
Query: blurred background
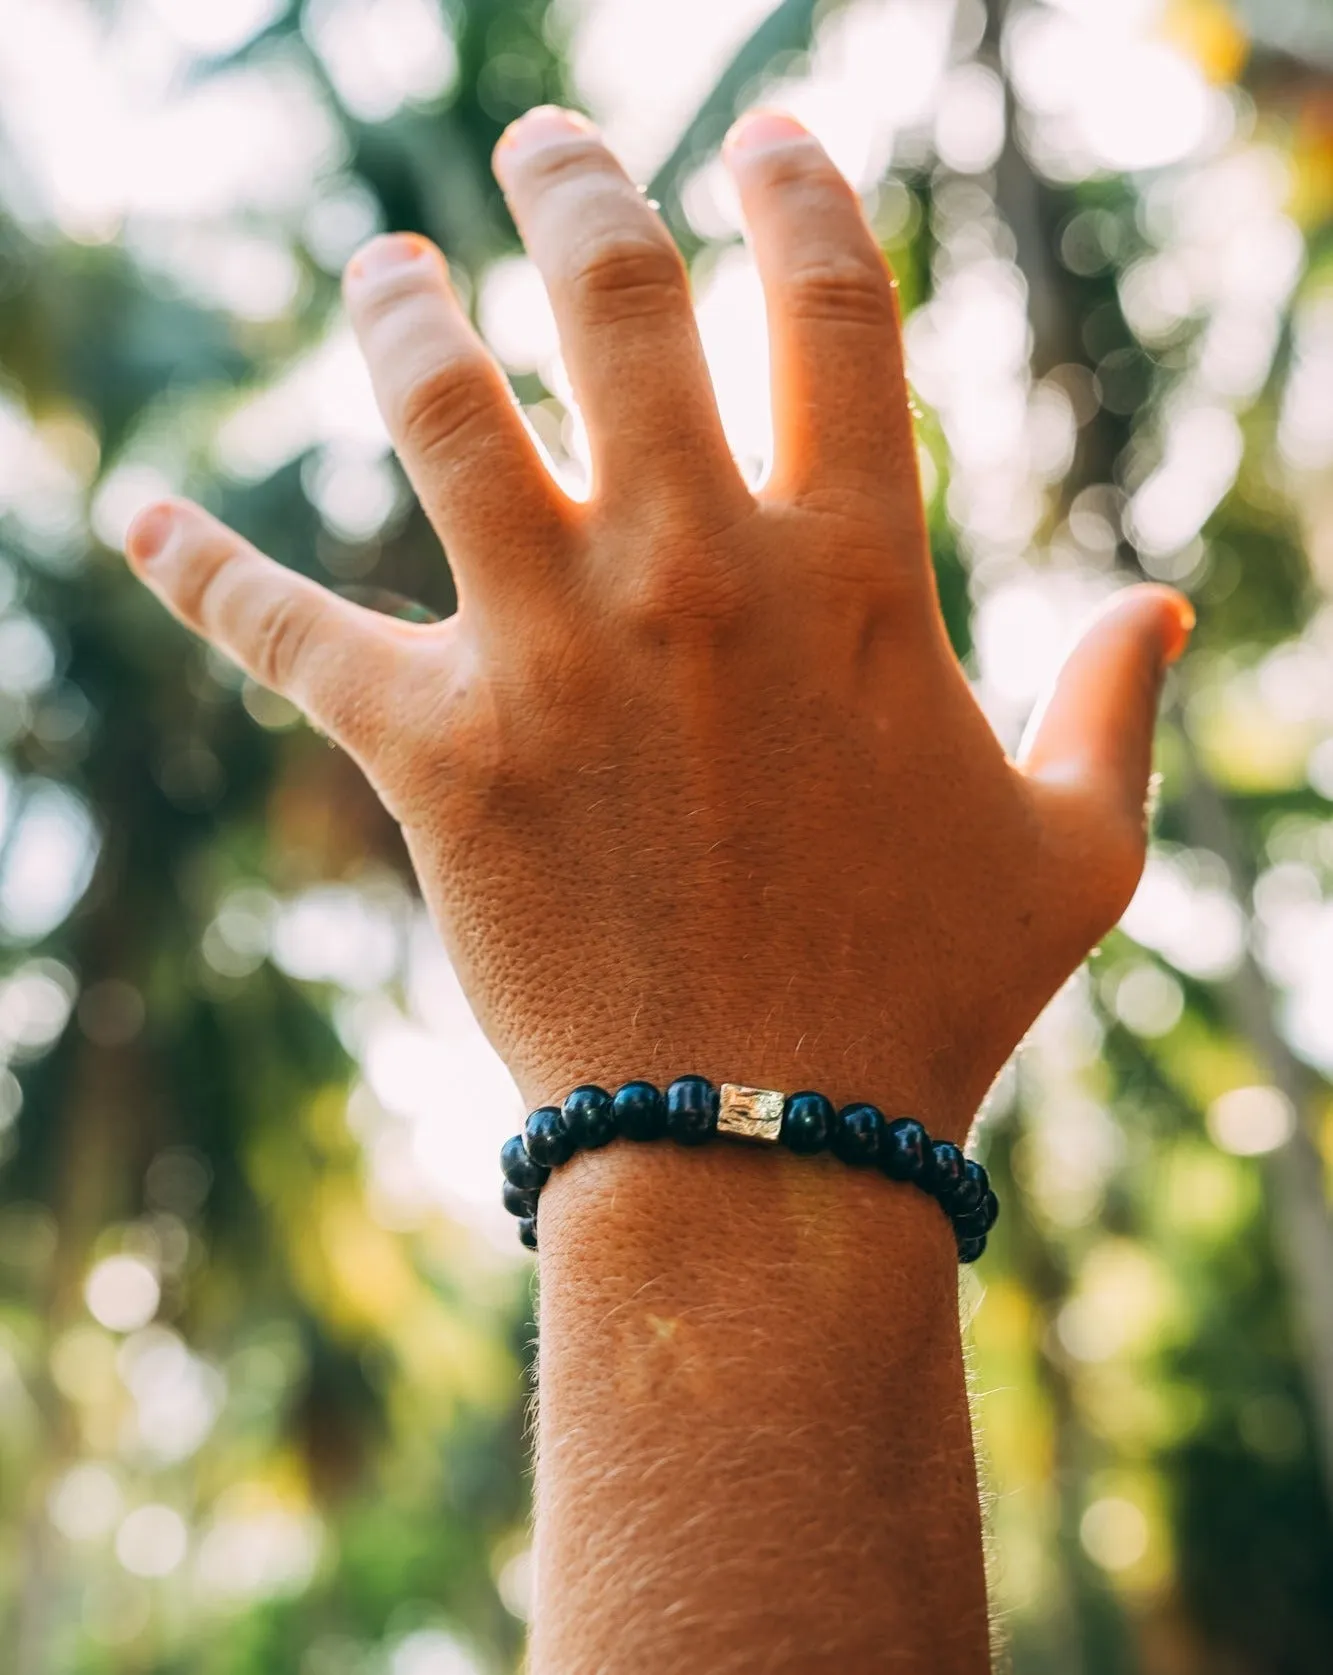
(264, 1333)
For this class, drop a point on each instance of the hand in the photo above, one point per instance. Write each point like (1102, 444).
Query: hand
(693, 781)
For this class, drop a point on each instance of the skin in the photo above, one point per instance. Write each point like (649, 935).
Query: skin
(693, 782)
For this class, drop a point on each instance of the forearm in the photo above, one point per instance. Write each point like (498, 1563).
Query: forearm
(754, 1446)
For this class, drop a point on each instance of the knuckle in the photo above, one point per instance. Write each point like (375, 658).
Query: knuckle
(842, 288)
(441, 407)
(280, 636)
(682, 597)
(857, 550)
(209, 591)
(802, 171)
(398, 296)
(576, 159)
(196, 592)
(867, 583)
(628, 277)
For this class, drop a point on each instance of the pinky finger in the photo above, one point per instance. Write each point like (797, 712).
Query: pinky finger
(336, 661)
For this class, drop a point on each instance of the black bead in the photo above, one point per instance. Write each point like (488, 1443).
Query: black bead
(807, 1122)
(971, 1189)
(857, 1132)
(640, 1111)
(519, 1168)
(946, 1170)
(903, 1149)
(546, 1139)
(527, 1232)
(970, 1249)
(973, 1225)
(990, 1208)
(518, 1202)
(691, 1110)
(589, 1116)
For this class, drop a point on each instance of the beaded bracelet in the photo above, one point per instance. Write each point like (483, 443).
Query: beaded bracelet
(692, 1110)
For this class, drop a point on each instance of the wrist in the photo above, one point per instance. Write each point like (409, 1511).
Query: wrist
(941, 1089)
(722, 1221)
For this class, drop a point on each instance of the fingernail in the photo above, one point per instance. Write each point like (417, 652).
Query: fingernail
(1179, 631)
(150, 534)
(542, 125)
(760, 128)
(385, 258)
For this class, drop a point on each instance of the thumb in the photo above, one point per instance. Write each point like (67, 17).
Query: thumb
(1095, 729)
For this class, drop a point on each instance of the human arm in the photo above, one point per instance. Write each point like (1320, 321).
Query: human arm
(693, 782)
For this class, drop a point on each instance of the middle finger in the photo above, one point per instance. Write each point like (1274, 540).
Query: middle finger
(622, 301)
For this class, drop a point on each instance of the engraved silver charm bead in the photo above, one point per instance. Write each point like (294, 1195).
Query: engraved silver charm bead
(749, 1113)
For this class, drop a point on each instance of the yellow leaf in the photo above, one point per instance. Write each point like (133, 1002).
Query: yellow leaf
(1209, 33)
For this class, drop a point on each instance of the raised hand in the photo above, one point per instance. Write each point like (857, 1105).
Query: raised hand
(693, 780)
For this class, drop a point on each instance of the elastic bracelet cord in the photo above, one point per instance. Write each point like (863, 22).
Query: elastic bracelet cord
(693, 1111)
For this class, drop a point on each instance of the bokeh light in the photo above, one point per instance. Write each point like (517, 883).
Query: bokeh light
(122, 1293)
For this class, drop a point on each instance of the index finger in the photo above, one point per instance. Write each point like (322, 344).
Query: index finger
(339, 663)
